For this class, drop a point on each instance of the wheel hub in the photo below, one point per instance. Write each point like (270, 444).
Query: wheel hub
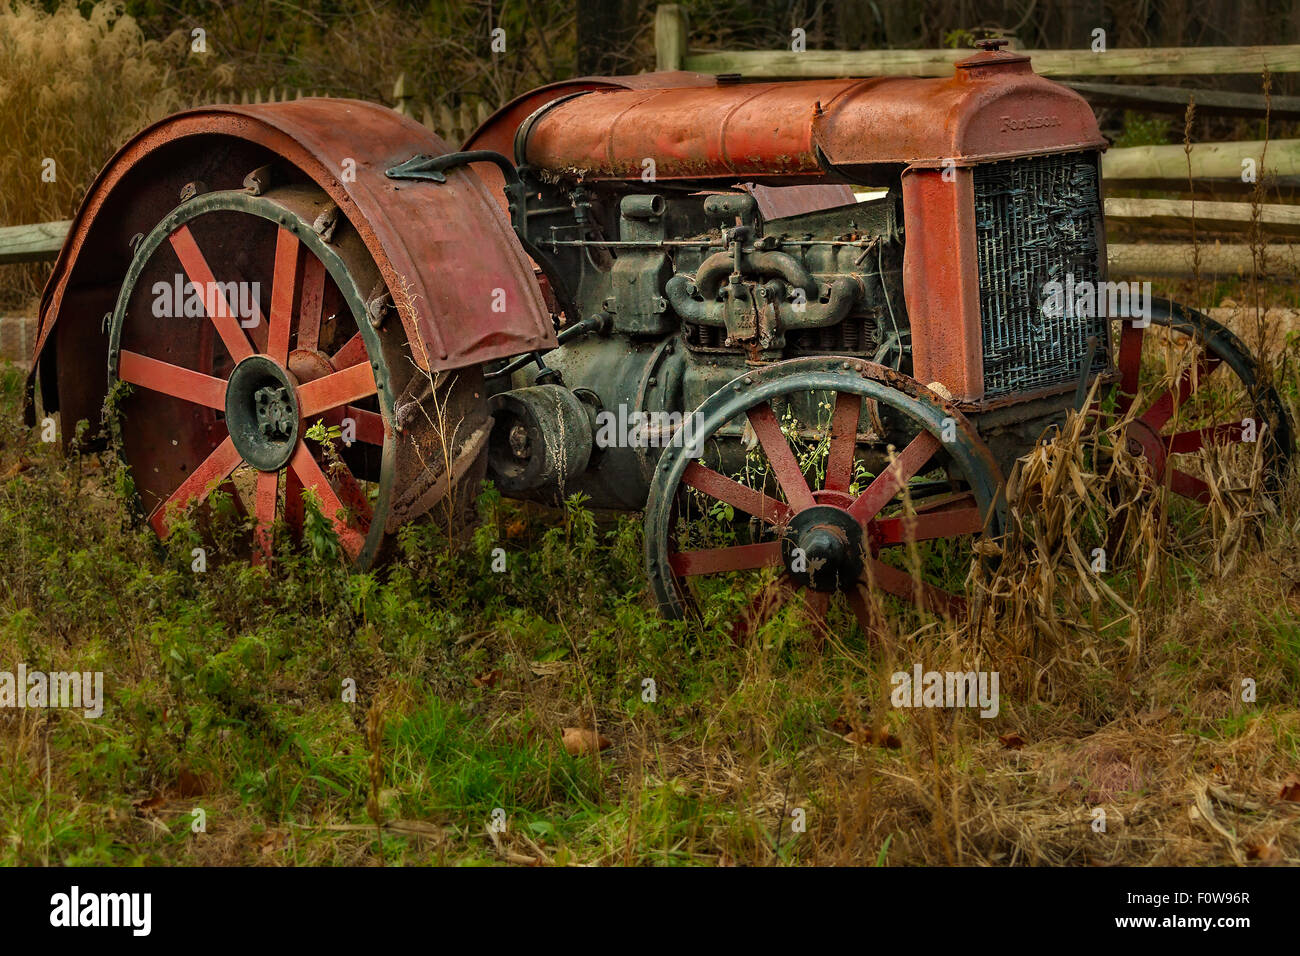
(1144, 441)
(822, 548)
(262, 412)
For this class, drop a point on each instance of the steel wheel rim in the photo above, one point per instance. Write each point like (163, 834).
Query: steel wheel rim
(857, 377)
(1149, 434)
(369, 349)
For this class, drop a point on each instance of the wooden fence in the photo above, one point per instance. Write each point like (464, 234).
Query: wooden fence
(1163, 168)
(1231, 167)
(672, 52)
(451, 124)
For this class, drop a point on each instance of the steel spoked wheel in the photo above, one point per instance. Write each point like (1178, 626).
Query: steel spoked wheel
(1210, 404)
(856, 480)
(238, 328)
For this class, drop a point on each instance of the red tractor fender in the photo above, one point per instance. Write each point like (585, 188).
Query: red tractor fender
(460, 281)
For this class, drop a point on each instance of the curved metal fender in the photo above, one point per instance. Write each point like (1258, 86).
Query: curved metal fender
(461, 283)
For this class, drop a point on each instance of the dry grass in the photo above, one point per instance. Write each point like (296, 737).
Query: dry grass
(73, 88)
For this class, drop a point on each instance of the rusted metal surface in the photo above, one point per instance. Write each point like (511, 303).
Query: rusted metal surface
(499, 130)
(778, 133)
(442, 273)
(941, 281)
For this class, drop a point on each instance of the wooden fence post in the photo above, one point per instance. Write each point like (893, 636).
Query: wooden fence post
(402, 96)
(671, 28)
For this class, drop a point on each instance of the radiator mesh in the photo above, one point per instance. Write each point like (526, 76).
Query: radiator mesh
(1036, 220)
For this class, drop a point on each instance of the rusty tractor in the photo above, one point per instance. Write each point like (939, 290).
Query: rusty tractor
(660, 291)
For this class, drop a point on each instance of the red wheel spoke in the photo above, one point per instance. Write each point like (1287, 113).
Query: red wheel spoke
(218, 308)
(867, 618)
(353, 496)
(951, 501)
(816, 605)
(932, 524)
(1130, 358)
(209, 474)
(886, 484)
(1163, 408)
(781, 456)
(268, 490)
(284, 286)
(844, 441)
(1180, 482)
(312, 302)
(719, 486)
(336, 389)
(369, 425)
(171, 380)
(293, 508)
(903, 585)
(1186, 442)
(741, 557)
(351, 353)
(313, 477)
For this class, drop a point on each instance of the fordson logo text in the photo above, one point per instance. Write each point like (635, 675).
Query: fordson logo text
(1028, 122)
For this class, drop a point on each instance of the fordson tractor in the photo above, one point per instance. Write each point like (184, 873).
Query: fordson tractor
(661, 291)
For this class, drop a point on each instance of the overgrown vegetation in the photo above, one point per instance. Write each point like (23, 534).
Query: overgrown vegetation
(229, 691)
(316, 716)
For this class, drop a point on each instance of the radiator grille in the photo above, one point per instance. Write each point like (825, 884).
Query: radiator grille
(1036, 221)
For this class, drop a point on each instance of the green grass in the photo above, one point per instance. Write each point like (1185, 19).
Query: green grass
(228, 692)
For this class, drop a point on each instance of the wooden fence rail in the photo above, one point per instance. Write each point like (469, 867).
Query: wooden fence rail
(1173, 99)
(35, 243)
(672, 52)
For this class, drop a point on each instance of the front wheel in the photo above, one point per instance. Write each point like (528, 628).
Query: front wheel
(859, 483)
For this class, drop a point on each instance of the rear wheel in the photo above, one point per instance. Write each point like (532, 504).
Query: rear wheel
(1202, 405)
(253, 331)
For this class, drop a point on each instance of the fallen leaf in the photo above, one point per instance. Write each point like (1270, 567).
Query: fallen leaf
(18, 467)
(1290, 790)
(1264, 852)
(489, 679)
(271, 841)
(146, 806)
(1011, 741)
(866, 736)
(578, 741)
(515, 528)
(1154, 716)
